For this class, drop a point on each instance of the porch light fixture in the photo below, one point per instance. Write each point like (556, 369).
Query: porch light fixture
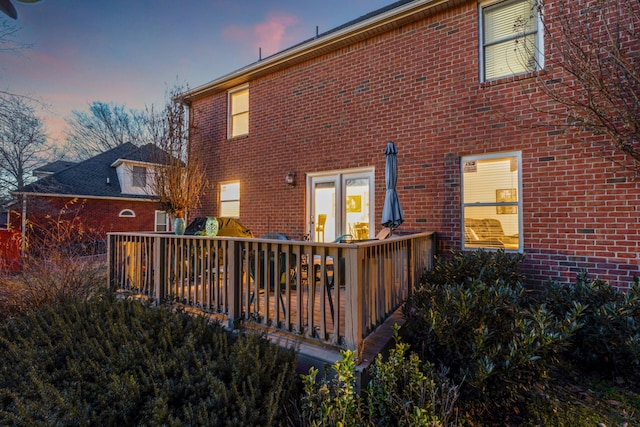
(290, 179)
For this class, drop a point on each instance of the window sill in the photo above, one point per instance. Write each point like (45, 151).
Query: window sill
(512, 78)
(235, 138)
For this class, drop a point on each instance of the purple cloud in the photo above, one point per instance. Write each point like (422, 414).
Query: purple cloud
(271, 35)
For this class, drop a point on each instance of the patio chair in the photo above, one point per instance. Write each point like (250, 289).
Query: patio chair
(343, 238)
(322, 219)
(275, 236)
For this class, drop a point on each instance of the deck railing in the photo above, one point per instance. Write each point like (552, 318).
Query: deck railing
(336, 293)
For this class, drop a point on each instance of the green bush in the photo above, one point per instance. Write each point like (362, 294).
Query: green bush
(471, 315)
(333, 402)
(461, 267)
(609, 340)
(402, 392)
(110, 362)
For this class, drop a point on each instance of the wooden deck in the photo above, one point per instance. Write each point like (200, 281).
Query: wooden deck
(327, 295)
(263, 304)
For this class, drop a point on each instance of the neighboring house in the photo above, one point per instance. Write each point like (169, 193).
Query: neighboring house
(51, 168)
(4, 214)
(108, 192)
(297, 139)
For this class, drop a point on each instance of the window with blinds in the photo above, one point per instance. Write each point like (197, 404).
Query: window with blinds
(230, 199)
(511, 38)
(492, 201)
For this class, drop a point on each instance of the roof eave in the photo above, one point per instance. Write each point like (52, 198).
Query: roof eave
(118, 162)
(84, 196)
(330, 42)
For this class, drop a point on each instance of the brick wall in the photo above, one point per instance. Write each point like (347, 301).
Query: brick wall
(419, 87)
(98, 215)
(9, 251)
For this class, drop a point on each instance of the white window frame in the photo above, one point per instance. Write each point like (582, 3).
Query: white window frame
(156, 224)
(538, 54)
(127, 213)
(464, 161)
(232, 116)
(224, 200)
(339, 179)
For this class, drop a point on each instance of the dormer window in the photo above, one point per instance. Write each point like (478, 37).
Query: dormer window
(139, 176)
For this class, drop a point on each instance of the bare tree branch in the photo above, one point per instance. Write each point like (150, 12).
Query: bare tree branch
(22, 142)
(592, 69)
(179, 180)
(8, 41)
(104, 127)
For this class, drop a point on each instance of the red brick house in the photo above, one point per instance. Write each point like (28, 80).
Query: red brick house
(108, 192)
(295, 142)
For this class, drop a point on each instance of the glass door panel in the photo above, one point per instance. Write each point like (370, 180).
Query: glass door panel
(357, 207)
(324, 220)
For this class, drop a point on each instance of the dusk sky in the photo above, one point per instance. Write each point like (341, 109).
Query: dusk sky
(130, 51)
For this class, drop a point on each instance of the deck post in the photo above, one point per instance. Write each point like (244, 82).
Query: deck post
(111, 279)
(411, 269)
(159, 268)
(233, 282)
(353, 301)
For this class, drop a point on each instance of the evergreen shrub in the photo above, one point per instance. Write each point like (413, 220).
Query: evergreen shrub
(471, 314)
(402, 391)
(609, 340)
(112, 362)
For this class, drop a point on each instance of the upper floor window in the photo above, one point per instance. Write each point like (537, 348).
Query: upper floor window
(139, 176)
(239, 112)
(230, 199)
(492, 201)
(511, 38)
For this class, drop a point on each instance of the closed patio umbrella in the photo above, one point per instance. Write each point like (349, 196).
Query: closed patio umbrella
(392, 215)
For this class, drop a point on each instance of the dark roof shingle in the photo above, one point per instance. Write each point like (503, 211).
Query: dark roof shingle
(53, 167)
(95, 176)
